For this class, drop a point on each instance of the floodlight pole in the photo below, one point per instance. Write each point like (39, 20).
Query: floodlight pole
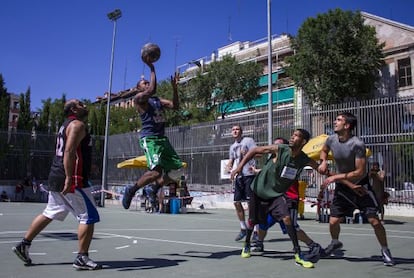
(269, 81)
(113, 16)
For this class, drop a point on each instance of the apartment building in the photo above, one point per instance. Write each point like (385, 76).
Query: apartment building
(13, 111)
(396, 76)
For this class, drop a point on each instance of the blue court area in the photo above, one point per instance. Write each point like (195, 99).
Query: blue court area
(133, 243)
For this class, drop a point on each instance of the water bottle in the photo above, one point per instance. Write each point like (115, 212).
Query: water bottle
(360, 221)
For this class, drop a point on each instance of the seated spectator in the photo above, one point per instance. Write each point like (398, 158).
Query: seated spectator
(19, 192)
(4, 197)
(172, 189)
(184, 193)
(187, 197)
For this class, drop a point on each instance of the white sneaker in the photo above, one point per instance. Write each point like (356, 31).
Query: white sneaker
(84, 263)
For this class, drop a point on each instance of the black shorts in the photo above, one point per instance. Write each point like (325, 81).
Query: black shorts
(242, 191)
(259, 208)
(345, 201)
(292, 204)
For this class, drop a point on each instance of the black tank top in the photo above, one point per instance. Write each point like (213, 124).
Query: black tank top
(82, 163)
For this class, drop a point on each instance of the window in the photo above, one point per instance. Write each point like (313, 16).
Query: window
(404, 73)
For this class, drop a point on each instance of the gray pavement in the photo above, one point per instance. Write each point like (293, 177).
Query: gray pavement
(137, 244)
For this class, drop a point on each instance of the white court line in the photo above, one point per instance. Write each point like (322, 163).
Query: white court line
(177, 241)
(209, 245)
(89, 251)
(122, 247)
(343, 232)
(343, 227)
(170, 230)
(113, 235)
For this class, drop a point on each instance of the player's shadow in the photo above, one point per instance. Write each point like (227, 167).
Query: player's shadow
(398, 261)
(61, 235)
(340, 255)
(282, 239)
(207, 255)
(140, 264)
(42, 264)
(198, 212)
(390, 221)
(281, 255)
(224, 254)
(127, 265)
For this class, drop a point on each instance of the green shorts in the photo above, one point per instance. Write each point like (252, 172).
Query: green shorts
(159, 152)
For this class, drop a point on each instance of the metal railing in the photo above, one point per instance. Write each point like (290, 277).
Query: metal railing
(386, 125)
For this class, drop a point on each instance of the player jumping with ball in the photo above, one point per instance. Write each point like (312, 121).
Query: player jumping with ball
(161, 156)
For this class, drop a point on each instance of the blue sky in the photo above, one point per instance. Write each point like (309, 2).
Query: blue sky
(64, 46)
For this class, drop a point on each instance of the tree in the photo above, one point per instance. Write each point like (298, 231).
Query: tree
(337, 59)
(182, 116)
(223, 82)
(123, 120)
(4, 122)
(4, 105)
(45, 123)
(165, 90)
(57, 115)
(25, 121)
(51, 116)
(96, 118)
(100, 115)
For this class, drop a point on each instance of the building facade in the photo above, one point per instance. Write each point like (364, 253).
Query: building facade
(396, 76)
(13, 112)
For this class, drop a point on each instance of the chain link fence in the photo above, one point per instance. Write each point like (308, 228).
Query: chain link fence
(386, 125)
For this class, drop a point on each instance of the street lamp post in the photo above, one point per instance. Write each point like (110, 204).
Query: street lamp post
(113, 16)
(269, 78)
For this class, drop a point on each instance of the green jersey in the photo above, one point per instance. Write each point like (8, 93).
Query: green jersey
(276, 177)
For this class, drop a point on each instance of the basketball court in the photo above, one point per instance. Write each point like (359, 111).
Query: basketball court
(132, 243)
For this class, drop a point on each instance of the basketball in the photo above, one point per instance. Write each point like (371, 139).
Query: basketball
(150, 52)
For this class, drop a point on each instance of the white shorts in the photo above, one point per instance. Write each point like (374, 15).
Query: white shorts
(80, 203)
